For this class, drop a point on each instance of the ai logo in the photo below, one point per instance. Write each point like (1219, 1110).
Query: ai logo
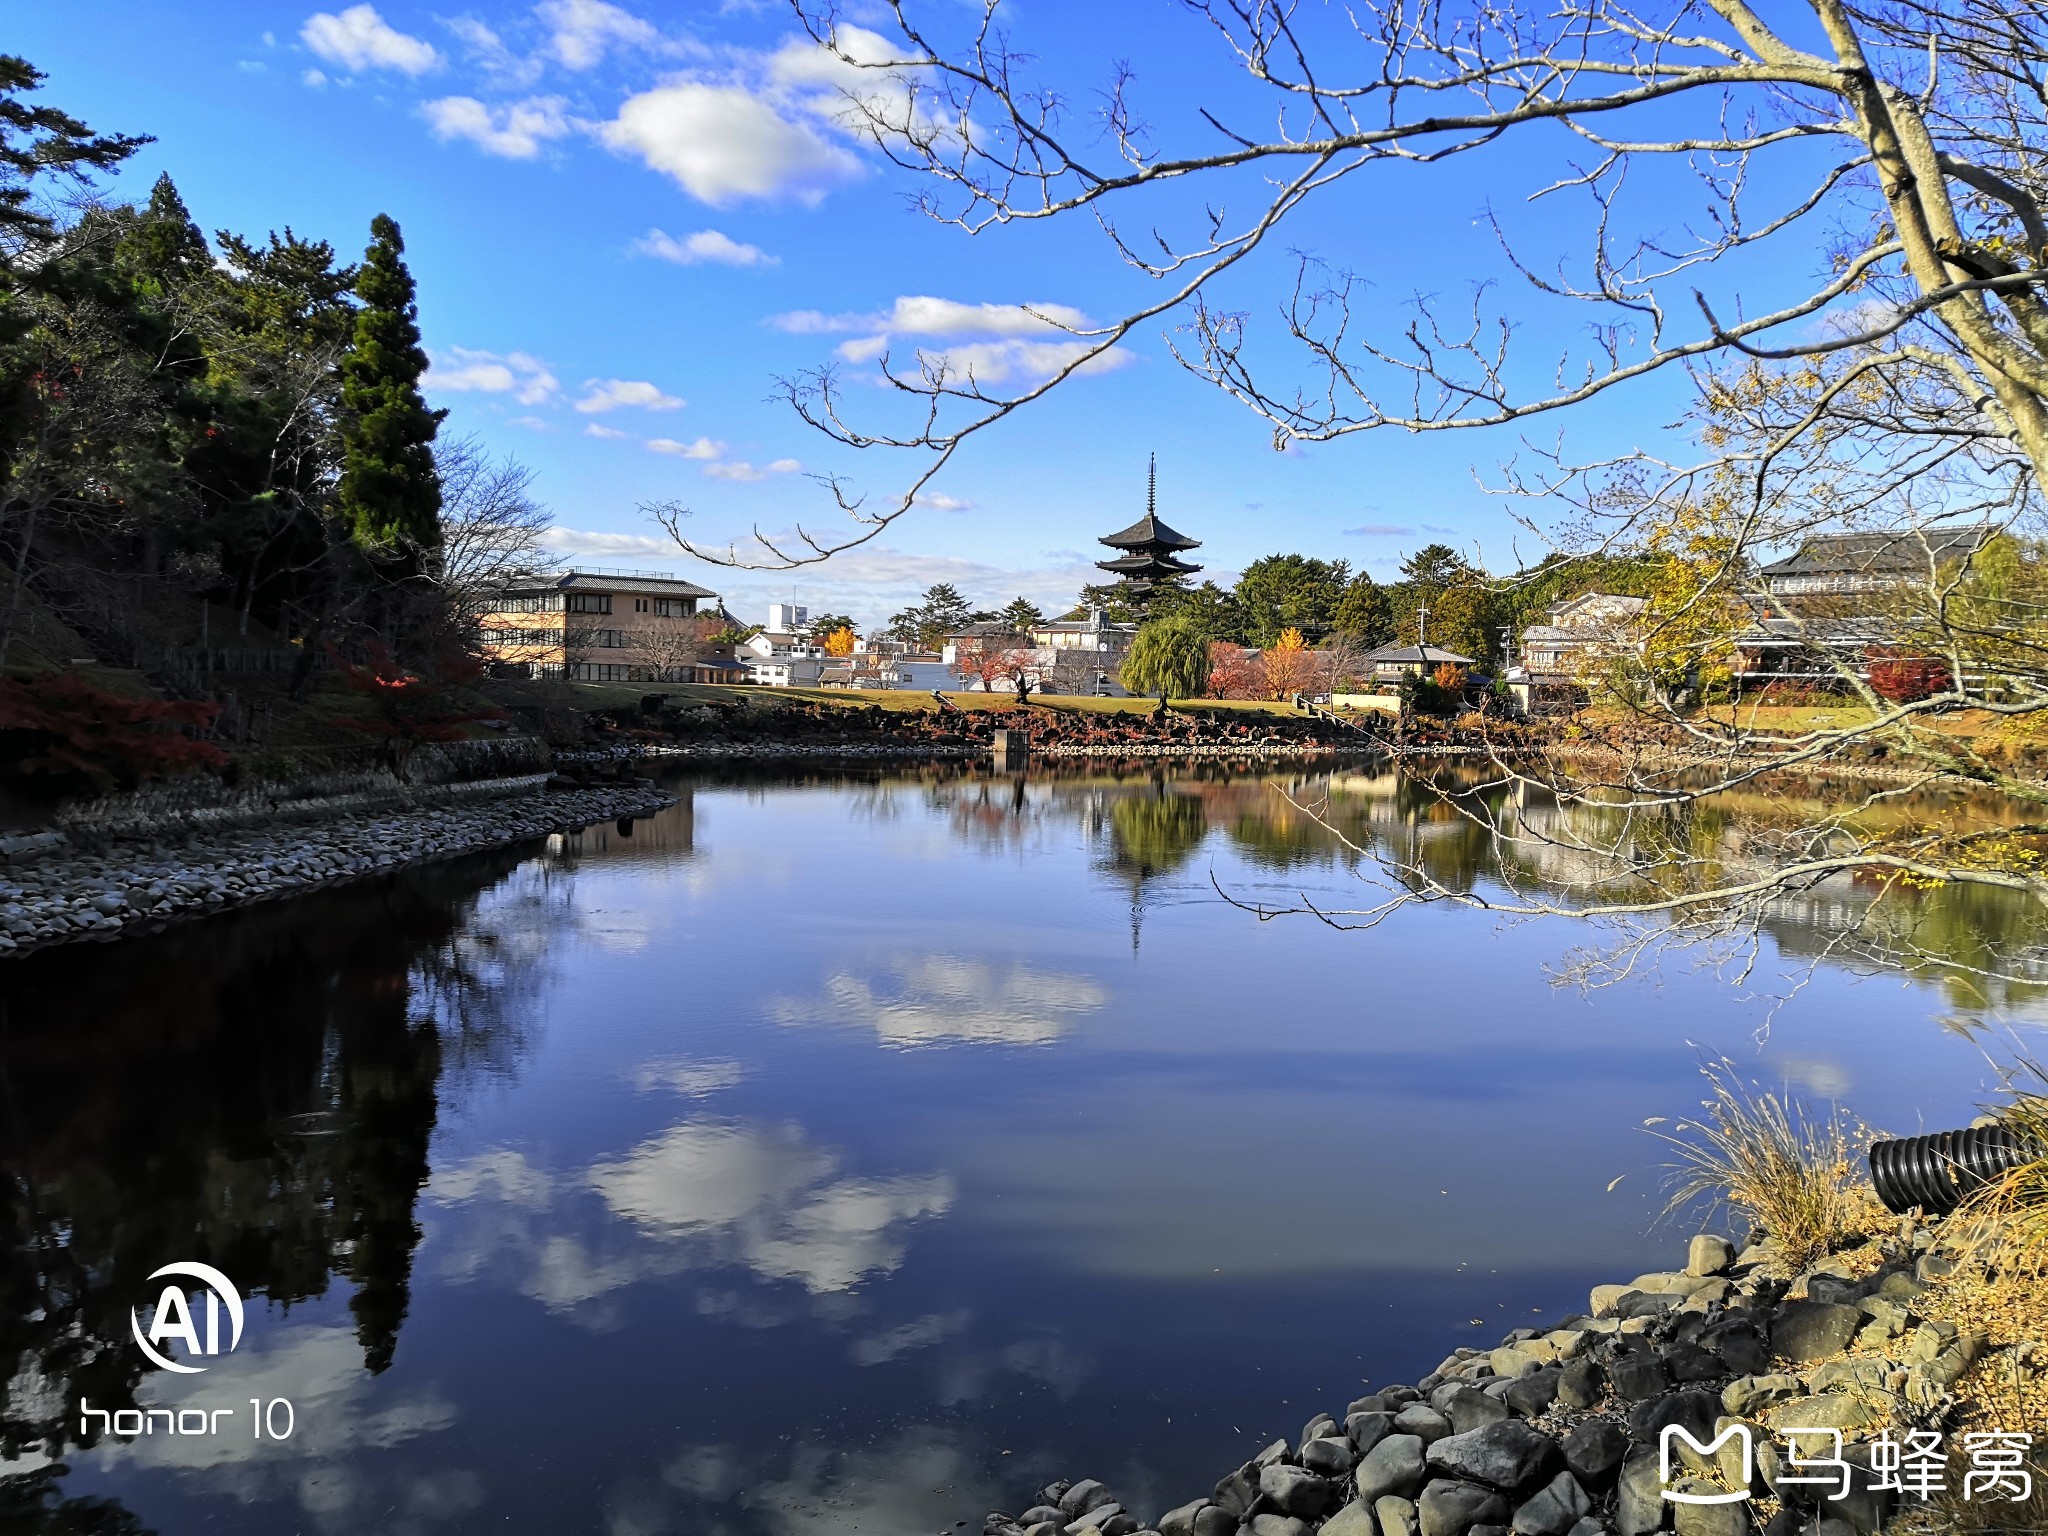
(174, 1316)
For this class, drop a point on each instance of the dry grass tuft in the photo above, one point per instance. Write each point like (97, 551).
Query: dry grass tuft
(1798, 1174)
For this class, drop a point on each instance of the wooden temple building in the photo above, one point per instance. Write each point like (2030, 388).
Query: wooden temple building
(1148, 552)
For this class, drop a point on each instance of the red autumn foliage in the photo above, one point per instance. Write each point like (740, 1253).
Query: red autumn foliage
(406, 709)
(1234, 673)
(74, 734)
(1905, 679)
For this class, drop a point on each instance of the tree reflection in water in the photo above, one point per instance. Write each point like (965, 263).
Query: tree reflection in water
(257, 1092)
(1432, 833)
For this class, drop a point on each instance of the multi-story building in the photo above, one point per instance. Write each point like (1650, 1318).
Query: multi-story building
(605, 626)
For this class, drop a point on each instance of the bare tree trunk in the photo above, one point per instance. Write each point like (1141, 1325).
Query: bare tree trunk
(28, 537)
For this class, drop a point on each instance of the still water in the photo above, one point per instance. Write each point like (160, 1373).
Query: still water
(850, 1155)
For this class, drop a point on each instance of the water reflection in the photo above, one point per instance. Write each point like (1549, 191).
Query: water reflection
(948, 999)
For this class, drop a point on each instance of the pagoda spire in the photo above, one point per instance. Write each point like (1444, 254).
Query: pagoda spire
(1152, 486)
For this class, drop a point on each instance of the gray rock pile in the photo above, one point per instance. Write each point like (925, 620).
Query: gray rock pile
(1556, 1431)
(119, 885)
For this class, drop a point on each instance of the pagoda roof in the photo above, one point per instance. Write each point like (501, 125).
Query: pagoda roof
(1147, 565)
(1148, 532)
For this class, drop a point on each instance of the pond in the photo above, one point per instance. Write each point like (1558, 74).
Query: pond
(854, 1154)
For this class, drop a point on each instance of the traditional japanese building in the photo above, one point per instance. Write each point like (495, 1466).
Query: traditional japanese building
(1149, 550)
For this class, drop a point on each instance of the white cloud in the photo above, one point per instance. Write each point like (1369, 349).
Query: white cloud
(741, 470)
(944, 999)
(515, 132)
(938, 501)
(590, 544)
(359, 38)
(771, 1199)
(599, 429)
(611, 394)
(721, 143)
(314, 78)
(703, 448)
(923, 1333)
(461, 370)
(1011, 346)
(582, 31)
(533, 423)
(705, 245)
(693, 1079)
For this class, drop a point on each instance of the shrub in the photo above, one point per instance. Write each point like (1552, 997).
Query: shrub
(1797, 1173)
(72, 735)
(1906, 679)
(408, 710)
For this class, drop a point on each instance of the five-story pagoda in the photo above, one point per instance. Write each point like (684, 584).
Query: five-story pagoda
(1149, 550)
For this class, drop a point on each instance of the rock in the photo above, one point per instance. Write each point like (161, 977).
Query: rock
(1869, 1371)
(1593, 1451)
(1515, 1360)
(1694, 1410)
(1394, 1466)
(1813, 1330)
(1709, 1255)
(1708, 1519)
(1553, 1509)
(1051, 1528)
(1508, 1455)
(1752, 1394)
(1083, 1496)
(1639, 1496)
(1533, 1393)
(1647, 1304)
(108, 903)
(1637, 1378)
(1368, 1429)
(1467, 1410)
(1322, 1424)
(1295, 1490)
(1237, 1493)
(1354, 1519)
(1275, 1452)
(1832, 1410)
(1451, 1509)
(1426, 1424)
(1581, 1384)
(1038, 1514)
(1688, 1362)
(1741, 1348)
(1397, 1517)
(1280, 1525)
(1606, 1298)
(1331, 1456)
(1215, 1522)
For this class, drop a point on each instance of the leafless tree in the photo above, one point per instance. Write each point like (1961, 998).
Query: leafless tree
(667, 649)
(491, 526)
(1898, 148)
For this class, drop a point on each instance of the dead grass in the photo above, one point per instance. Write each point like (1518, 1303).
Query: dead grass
(1796, 1173)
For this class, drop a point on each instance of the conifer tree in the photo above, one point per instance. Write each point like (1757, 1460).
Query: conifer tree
(390, 492)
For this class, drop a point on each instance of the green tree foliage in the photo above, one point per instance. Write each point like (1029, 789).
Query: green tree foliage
(37, 142)
(926, 624)
(1365, 614)
(1217, 614)
(1020, 614)
(1169, 658)
(828, 623)
(1290, 592)
(390, 495)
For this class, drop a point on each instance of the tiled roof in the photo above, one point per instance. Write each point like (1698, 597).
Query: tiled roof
(1839, 554)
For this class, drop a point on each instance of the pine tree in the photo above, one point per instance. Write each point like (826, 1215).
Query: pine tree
(390, 493)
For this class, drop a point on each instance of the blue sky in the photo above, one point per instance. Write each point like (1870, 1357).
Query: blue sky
(627, 224)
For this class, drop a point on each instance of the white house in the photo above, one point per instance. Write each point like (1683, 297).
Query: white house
(1581, 633)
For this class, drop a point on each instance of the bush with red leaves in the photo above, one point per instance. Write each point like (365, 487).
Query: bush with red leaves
(71, 735)
(1905, 679)
(407, 710)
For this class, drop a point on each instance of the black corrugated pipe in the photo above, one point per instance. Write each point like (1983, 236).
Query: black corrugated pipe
(1935, 1172)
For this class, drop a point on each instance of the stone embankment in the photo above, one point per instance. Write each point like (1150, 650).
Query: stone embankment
(67, 892)
(1557, 1431)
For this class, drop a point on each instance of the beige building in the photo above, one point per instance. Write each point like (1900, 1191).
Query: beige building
(602, 626)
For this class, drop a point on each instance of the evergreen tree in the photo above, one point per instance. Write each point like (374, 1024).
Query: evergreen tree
(1290, 592)
(1366, 615)
(1021, 614)
(390, 493)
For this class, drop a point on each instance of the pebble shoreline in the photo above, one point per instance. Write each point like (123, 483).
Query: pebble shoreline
(1556, 1432)
(124, 885)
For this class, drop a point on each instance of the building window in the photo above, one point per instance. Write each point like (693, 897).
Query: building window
(639, 605)
(609, 639)
(520, 636)
(600, 672)
(675, 607)
(590, 602)
(538, 602)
